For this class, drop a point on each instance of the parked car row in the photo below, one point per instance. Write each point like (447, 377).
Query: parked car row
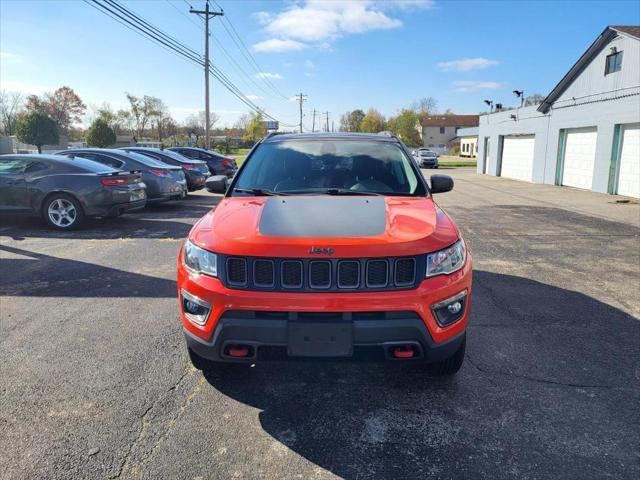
(94, 182)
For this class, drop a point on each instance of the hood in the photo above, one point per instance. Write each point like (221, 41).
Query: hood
(352, 226)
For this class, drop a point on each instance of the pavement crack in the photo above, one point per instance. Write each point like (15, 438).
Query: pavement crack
(539, 380)
(125, 465)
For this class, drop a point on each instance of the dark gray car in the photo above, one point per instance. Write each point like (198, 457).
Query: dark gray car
(218, 164)
(164, 182)
(64, 191)
(195, 171)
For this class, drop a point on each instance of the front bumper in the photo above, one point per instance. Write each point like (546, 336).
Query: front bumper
(374, 338)
(227, 323)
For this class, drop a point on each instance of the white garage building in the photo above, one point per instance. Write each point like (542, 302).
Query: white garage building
(585, 134)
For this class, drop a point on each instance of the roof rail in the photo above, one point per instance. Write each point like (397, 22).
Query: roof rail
(271, 134)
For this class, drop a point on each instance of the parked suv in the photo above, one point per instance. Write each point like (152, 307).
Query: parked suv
(218, 164)
(426, 158)
(327, 245)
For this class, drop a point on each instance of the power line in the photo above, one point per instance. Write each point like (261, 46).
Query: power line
(149, 31)
(190, 19)
(244, 51)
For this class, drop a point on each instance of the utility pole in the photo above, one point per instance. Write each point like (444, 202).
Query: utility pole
(207, 14)
(301, 98)
(313, 125)
(327, 125)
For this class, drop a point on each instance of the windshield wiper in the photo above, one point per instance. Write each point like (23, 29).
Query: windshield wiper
(345, 191)
(258, 191)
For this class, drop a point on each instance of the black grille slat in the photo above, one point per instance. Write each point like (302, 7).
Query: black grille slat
(263, 273)
(292, 274)
(348, 274)
(237, 271)
(405, 271)
(377, 273)
(320, 274)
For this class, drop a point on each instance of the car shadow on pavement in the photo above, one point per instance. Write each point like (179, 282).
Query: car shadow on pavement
(73, 278)
(547, 390)
(162, 220)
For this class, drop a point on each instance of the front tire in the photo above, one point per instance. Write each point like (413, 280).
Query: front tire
(62, 212)
(451, 365)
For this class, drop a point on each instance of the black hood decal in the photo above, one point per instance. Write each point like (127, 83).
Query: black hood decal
(323, 216)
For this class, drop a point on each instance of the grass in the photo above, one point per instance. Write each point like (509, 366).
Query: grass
(457, 164)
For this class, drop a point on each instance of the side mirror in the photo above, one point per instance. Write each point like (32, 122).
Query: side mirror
(441, 183)
(216, 184)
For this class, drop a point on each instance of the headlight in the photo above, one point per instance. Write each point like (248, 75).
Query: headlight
(446, 261)
(200, 260)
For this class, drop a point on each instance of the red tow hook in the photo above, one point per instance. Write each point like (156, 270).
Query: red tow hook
(238, 351)
(405, 351)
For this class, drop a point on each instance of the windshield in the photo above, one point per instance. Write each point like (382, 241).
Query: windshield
(317, 166)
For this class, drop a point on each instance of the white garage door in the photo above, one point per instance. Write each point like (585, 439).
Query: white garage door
(629, 169)
(579, 157)
(517, 157)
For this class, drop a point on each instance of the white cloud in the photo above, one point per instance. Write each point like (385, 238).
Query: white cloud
(466, 64)
(318, 20)
(270, 76)
(277, 45)
(474, 86)
(253, 98)
(309, 65)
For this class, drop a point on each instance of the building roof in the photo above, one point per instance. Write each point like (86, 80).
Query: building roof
(632, 30)
(450, 121)
(603, 39)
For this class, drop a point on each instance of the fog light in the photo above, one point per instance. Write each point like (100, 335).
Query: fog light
(454, 308)
(450, 310)
(195, 309)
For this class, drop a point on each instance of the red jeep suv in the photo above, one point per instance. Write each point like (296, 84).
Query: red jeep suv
(326, 245)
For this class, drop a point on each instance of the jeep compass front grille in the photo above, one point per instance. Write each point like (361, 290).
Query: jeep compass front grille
(322, 275)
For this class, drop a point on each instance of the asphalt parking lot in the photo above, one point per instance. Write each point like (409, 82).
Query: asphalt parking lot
(96, 381)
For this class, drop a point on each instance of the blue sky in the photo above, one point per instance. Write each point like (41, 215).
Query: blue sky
(343, 55)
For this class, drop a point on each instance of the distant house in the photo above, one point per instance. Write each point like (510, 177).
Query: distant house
(586, 132)
(440, 132)
(468, 142)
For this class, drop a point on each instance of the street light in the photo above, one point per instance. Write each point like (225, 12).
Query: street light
(519, 93)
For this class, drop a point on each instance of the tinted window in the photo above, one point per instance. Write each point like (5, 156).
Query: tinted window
(614, 63)
(149, 162)
(316, 165)
(104, 159)
(190, 153)
(10, 166)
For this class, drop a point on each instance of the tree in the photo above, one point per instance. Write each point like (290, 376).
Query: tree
(100, 134)
(11, 106)
(256, 128)
(63, 106)
(143, 110)
(37, 129)
(350, 121)
(426, 105)
(373, 122)
(405, 125)
(243, 122)
(535, 99)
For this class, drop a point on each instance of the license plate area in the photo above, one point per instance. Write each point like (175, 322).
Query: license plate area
(320, 339)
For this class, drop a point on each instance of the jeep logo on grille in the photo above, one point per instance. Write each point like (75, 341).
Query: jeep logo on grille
(321, 251)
